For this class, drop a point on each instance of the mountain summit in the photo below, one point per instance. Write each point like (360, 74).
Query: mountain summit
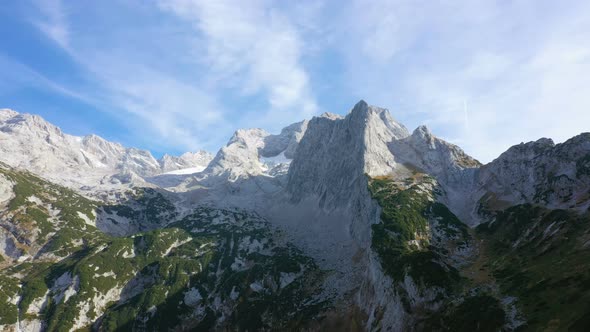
(337, 221)
(30, 142)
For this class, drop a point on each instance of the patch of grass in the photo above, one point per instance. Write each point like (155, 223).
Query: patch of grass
(8, 290)
(448, 222)
(538, 256)
(155, 269)
(404, 220)
(475, 313)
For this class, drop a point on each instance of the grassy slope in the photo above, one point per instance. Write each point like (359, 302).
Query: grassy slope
(29, 221)
(194, 253)
(539, 256)
(409, 214)
(404, 219)
(542, 257)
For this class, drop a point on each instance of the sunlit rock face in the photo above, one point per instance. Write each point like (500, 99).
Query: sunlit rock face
(335, 221)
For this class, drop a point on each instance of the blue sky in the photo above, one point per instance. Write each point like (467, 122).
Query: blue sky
(179, 75)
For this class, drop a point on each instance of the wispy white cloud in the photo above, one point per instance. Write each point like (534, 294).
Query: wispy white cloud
(256, 48)
(486, 74)
(178, 113)
(166, 110)
(15, 74)
(247, 51)
(53, 21)
(518, 66)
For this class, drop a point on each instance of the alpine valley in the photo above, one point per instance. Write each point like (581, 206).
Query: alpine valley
(334, 224)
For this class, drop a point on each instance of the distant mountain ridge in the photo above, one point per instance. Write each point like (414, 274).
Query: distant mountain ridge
(392, 230)
(30, 142)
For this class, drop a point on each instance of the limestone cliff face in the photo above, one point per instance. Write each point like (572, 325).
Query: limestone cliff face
(252, 152)
(311, 180)
(90, 162)
(332, 167)
(540, 172)
(336, 153)
(433, 155)
(186, 160)
(33, 143)
(286, 142)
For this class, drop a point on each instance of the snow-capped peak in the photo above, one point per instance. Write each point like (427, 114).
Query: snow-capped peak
(245, 153)
(187, 163)
(30, 142)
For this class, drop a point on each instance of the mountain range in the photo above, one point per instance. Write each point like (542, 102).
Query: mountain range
(344, 223)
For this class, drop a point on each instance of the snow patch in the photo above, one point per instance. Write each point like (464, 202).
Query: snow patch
(278, 159)
(185, 171)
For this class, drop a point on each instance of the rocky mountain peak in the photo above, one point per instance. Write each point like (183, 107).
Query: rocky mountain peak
(540, 172)
(331, 116)
(286, 141)
(188, 160)
(528, 150)
(6, 113)
(254, 152)
(29, 124)
(422, 132)
(251, 138)
(335, 153)
(361, 108)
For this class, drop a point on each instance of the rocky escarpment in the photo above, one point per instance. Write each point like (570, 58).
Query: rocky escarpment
(206, 269)
(335, 153)
(449, 164)
(89, 162)
(379, 215)
(430, 154)
(540, 172)
(252, 152)
(195, 161)
(332, 167)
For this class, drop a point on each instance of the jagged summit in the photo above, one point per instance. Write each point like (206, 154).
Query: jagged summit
(252, 152)
(422, 131)
(557, 175)
(368, 141)
(369, 216)
(6, 113)
(361, 103)
(331, 116)
(30, 142)
(186, 163)
(360, 108)
(337, 148)
(530, 148)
